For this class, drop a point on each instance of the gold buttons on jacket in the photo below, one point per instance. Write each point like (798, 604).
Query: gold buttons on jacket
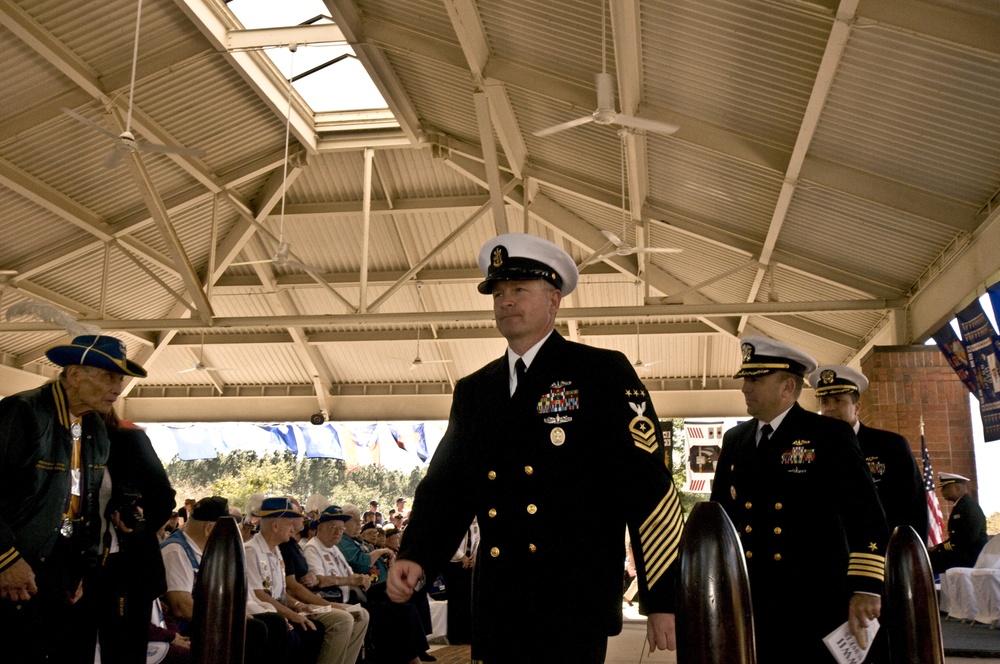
(492, 512)
(494, 552)
(749, 504)
(777, 506)
(532, 548)
(492, 474)
(749, 529)
(749, 554)
(528, 470)
(777, 531)
(777, 556)
(532, 509)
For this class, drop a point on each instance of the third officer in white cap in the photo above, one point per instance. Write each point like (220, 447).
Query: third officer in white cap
(795, 485)
(547, 421)
(966, 526)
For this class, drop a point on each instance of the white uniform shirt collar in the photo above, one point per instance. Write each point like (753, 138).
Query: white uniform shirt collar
(528, 357)
(775, 423)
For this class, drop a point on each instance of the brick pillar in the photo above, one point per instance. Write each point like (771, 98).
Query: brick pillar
(909, 381)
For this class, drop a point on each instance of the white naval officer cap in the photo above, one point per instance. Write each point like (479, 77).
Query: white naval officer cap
(762, 355)
(523, 257)
(837, 379)
(944, 479)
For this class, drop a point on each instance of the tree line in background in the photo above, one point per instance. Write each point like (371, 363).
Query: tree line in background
(238, 475)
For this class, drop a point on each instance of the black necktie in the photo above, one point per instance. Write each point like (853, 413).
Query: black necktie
(519, 369)
(765, 433)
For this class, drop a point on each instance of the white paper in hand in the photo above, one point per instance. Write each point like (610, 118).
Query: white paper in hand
(845, 647)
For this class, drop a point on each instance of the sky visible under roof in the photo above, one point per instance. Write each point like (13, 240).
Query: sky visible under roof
(342, 86)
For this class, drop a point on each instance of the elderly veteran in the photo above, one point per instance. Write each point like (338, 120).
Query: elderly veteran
(797, 489)
(966, 526)
(890, 461)
(53, 452)
(547, 420)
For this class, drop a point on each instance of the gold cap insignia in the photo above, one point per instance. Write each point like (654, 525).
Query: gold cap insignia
(827, 376)
(498, 257)
(747, 352)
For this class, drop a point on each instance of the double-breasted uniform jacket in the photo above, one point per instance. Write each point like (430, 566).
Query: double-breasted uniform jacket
(579, 431)
(810, 524)
(897, 478)
(966, 533)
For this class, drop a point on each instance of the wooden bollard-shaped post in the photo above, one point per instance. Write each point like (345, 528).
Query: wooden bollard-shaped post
(911, 612)
(218, 626)
(714, 615)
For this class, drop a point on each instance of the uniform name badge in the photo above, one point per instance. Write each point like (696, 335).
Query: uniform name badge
(557, 436)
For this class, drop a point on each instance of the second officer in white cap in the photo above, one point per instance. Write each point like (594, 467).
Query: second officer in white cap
(547, 421)
(890, 461)
(795, 486)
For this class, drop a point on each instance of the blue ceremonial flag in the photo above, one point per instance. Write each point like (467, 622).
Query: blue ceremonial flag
(322, 442)
(981, 342)
(410, 437)
(195, 443)
(954, 351)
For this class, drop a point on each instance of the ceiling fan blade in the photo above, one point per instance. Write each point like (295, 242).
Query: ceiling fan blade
(548, 131)
(269, 260)
(113, 159)
(90, 123)
(188, 370)
(171, 149)
(633, 122)
(656, 250)
(612, 238)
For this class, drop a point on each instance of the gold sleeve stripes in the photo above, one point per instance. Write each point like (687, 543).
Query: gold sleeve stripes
(660, 536)
(866, 564)
(8, 558)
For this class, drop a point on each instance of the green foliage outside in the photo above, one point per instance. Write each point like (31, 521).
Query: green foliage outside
(239, 475)
(993, 523)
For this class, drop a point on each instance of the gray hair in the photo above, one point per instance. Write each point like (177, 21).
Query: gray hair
(352, 510)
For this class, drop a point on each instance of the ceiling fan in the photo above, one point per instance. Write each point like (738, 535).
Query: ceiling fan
(417, 362)
(606, 113)
(283, 253)
(618, 246)
(126, 142)
(199, 364)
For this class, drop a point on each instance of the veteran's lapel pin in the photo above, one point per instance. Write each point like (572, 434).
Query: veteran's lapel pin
(557, 436)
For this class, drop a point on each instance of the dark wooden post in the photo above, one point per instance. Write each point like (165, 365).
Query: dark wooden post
(714, 616)
(218, 626)
(911, 612)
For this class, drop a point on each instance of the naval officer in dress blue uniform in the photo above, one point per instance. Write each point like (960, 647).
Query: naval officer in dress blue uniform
(796, 487)
(966, 526)
(547, 421)
(890, 460)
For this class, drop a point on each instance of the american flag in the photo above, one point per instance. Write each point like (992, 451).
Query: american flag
(936, 530)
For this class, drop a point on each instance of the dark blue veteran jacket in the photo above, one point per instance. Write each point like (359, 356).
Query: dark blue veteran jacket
(553, 474)
(35, 449)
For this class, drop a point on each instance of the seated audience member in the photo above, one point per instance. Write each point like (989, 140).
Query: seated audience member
(397, 521)
(184, 511)
(266, 578)
(353, 547)
(396, 632)
(170, 526)
(373, 539)
(267, 639)
(341, 636)
(392, 537)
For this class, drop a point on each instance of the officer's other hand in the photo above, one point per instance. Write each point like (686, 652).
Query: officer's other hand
(72, 597)
(863, 609)
(17, 582)
(661, 632)
(403, 579)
